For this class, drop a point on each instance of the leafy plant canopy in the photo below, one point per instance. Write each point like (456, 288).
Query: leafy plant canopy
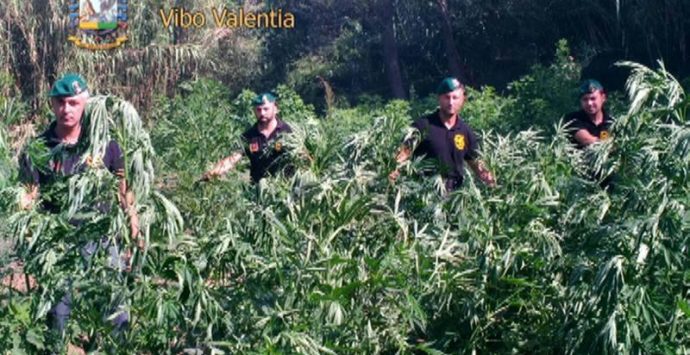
(335, 259)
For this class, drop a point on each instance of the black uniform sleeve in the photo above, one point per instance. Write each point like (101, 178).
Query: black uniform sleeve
(114, 160)
(473, 145)
(421, 125)
(574, 122)
(287, 129)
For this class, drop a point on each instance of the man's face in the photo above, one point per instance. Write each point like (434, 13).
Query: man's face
(451, 103)
(69, 109)
(266, 112)
(593, 102)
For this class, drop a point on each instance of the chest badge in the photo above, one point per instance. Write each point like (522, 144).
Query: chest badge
(459, 141)
(278, 146)
(254, 147)
(603, 135)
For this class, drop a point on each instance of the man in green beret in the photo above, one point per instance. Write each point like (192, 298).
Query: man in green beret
(447, 139)
(68, 98)
(262, 143)
(591, 123)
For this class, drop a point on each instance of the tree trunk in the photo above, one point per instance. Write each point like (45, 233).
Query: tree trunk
(390, 50)
(452, 54)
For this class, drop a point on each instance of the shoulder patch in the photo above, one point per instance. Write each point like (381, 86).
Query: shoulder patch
(254, 146)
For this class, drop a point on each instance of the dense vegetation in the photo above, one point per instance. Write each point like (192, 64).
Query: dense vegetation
(337, 260)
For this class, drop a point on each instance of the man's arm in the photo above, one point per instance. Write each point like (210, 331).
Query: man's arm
(585, 138)
(476, 164)
(482, 172)
(223, 166)
(28, 196)
(406, 149)
(28, 175)
(128, 205)
(403, 155)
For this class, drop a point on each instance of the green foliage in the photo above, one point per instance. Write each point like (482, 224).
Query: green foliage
(544, 95)
(12, 109)
(198, 126)
(26, 336)
(8, 179)
(487, 110)
(335, 259)
(7, 168)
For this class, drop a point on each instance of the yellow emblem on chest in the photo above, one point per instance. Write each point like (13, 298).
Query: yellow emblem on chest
(603, 135)
(278, 147)
(459, 140)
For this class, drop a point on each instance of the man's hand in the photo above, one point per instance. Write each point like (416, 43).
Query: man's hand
(487, 178)
(135, 237)
(209, 175)
(482, 172)
(402, 156)
(393, 176)
(222, 167)
(28, 196)
(134, 225)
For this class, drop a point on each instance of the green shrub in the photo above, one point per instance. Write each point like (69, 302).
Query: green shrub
(335, 259)
(546, 94)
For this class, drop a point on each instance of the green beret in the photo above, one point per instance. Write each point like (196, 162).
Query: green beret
(69, 85)
(264, 98)
(590, 85)
(449, 84)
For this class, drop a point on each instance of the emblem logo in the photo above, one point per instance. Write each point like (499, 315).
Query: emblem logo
(97, 24)
(459, 141)
(254, 147)
(278, 146)
(76, 88)
(603, 135)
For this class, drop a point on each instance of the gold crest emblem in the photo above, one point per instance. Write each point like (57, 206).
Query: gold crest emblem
(92, 162)
(278, 146)
(459, 141)
(603, 135)
(97, 24)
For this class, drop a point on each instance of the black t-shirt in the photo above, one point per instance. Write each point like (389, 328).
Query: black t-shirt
(64, 162)
(580, 120)
(266, 155)
(449, 147)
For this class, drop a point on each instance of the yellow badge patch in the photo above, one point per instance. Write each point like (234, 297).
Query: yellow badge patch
(603, 135)
(459, 141)
(278, 147)
(254, 147)
(93, 163)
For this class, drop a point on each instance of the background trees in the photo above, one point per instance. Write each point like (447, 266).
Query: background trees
(389, 48)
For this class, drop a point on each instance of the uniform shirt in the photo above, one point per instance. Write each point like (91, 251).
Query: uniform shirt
(449, 147)
(580, 120)
(63, 163)
(266, 155)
